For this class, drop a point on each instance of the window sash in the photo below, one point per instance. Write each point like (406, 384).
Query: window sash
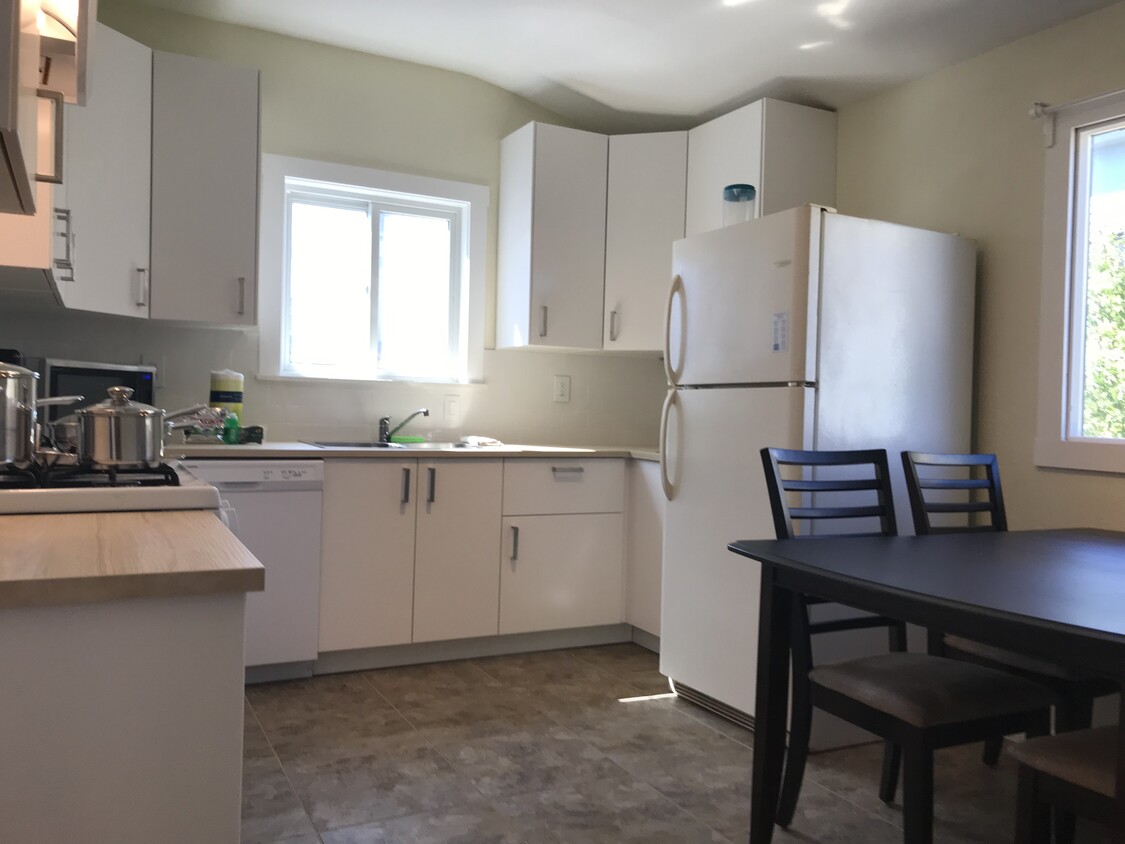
(376, 204)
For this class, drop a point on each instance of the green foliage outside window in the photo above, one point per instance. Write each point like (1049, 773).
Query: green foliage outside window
(1103, 413)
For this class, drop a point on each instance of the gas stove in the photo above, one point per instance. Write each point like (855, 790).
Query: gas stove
(71, 489)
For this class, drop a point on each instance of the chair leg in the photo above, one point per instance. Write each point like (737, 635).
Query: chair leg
(800, 725)
(888, 783)
(991, 753)
(918, 794)
(1033, 816)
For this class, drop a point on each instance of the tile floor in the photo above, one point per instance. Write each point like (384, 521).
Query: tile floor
(541, 748)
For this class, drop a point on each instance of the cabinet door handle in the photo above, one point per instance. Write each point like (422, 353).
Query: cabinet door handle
(55, 177)
(66, 262)
(567, 470)
(431, 497)
(142, 287)
(515, 543)
(241, 295)
(613, 326)
(405, 485)
(543, 321)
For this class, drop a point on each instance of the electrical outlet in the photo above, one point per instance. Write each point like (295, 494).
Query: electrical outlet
(562, 388)
(452, 410)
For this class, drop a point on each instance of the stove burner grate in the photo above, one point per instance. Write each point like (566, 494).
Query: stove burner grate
(84, 477)
(15, 477)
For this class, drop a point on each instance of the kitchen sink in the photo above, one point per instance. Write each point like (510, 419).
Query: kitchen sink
(376, 444)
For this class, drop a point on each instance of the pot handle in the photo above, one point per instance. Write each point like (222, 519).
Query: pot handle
(185, 411)
(58, 400)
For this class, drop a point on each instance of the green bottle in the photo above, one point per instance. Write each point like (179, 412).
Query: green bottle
(231, 430)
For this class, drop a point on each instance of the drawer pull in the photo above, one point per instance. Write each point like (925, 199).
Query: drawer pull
(567, 470)
(432, 497)
(515, 543)
(405, 485)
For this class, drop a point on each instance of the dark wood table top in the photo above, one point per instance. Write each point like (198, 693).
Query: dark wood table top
(1069, 578)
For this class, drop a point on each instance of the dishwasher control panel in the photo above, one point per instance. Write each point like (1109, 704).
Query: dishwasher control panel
(221, 472)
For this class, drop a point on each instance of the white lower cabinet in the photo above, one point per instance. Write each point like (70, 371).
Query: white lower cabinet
(644, 545)
(456, 579)
(561, 571)
(562, 563)
(367, 553)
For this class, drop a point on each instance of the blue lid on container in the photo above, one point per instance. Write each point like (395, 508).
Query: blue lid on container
(739, 193)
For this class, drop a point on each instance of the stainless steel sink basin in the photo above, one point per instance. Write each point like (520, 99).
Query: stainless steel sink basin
(353, 444)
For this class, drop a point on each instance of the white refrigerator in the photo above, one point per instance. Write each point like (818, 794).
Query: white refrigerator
(802, 329)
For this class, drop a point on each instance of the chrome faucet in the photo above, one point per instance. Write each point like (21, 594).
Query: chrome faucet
(386, 431)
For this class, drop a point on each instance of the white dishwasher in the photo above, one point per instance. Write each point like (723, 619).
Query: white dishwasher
(276, 514)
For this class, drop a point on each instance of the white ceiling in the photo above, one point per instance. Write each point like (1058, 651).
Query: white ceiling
(620, 65)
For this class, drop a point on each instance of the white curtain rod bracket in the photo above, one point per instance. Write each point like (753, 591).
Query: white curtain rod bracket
(1049, 113)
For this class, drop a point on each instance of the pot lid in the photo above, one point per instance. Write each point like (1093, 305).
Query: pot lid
(10, 370)
(119, 404)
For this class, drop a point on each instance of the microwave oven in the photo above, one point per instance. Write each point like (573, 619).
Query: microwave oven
(91, 381)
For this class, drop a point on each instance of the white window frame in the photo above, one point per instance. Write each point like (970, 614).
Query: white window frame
(1061, 322)
(469, 200)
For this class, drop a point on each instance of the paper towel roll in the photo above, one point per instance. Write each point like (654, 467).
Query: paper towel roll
(226, 390)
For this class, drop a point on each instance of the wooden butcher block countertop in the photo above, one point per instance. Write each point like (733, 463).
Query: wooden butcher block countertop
(76, 558)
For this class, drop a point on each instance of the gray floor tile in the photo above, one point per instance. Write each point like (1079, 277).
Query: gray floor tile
(271, 811)
(629, 662)
(363, 789)
(401, 684)
(463, 825)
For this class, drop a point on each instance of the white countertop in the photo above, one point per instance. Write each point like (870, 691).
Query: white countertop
(301, 450)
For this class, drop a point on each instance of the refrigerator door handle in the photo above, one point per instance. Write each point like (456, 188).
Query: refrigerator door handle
(673, 373)
(665, 481)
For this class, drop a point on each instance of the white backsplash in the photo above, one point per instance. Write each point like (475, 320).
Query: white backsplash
(614, 400)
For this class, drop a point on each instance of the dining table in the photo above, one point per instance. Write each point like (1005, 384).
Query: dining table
(1055, 594)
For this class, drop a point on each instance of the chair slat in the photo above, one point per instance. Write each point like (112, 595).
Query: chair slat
(829, 485)
(835, 512)
(954, 483)
(959, 507)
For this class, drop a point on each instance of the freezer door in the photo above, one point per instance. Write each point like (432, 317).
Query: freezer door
(740, 299)
(713, 471)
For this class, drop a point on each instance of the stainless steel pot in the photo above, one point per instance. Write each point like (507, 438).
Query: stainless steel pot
(17, 414)
(124, 434)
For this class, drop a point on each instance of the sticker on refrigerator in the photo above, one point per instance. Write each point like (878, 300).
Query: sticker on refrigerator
(781, 332)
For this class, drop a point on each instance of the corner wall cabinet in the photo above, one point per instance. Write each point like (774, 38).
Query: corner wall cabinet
(786, 151)
(644, 215)
(19, 105)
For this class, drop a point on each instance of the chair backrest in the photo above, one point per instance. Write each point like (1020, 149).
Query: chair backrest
(959, 484)
(828, 494)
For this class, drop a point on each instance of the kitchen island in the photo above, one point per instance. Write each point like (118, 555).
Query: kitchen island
(122, 703)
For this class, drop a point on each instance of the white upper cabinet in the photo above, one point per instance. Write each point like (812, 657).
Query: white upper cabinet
(550, 280)
(204, 190)
(644, 215)
(786, 151)
(19, 106)
(105, 203)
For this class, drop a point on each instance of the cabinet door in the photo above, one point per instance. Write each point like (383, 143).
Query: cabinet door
(204, 190)
(19, 106)
(551, 268)
(107, 176)
(798, 157)
(721, 152)
(644, 214)
(367, 553)
(456, 575)
(644, 546)
(559, 572)
(536, 487)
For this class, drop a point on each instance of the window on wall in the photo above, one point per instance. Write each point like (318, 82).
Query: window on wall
(1082, 365)
(368, 275)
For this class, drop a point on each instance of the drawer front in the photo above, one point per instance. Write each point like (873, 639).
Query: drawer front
(545, 487)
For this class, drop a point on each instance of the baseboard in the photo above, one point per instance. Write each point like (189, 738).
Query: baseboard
(395, 655)
(283, 671)
(646, 640)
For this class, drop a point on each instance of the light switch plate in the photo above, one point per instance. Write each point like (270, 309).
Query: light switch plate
(562, 388)
(452, 410)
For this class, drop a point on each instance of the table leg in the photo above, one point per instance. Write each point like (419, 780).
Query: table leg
(1118, 826)
(771, 705)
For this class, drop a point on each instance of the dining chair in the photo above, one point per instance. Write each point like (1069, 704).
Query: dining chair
(1073, 772)
(949, 493)
(917, 703)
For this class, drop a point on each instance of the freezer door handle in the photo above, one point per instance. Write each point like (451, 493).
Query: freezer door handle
(665, 480)
(673, 372)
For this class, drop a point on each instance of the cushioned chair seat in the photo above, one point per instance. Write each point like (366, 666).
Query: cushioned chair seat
(928, 691)
(1085, 757)
(1023, 662)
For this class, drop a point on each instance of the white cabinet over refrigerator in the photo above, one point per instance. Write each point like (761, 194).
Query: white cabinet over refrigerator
(802, 329)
